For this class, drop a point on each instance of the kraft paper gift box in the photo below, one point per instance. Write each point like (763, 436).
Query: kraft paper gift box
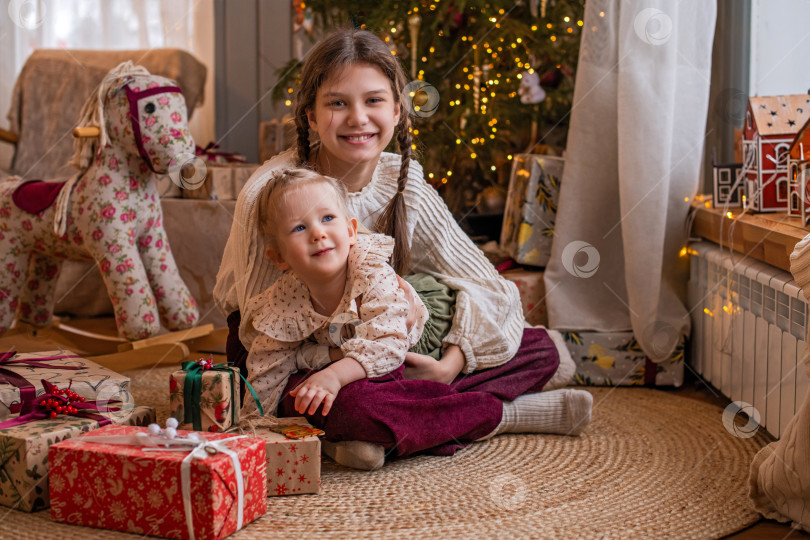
(177, 492)
(60, 368)
(205, 399)
(532, 294)
(616, 359)
(293, 465)
(24, 453)
(223, 181)
(531, 208)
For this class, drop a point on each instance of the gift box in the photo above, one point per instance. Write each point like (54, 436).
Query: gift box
(205, 490)
(205, 399)
(531, 208)
(532, 294)
(24, 453)
(616, 359)
(293, 465)
(223, 181)
(21, 378)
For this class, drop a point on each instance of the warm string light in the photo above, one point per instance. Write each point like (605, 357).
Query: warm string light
(491, 84)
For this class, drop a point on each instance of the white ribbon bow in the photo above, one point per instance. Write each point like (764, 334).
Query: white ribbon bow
(197, 448)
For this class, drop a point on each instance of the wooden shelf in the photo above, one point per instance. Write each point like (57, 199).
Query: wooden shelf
(769, 238)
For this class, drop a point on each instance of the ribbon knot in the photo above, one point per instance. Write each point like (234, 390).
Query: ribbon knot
(198, 447)
(211, 154)
(192, 390)
(58, 401)
(28, 393)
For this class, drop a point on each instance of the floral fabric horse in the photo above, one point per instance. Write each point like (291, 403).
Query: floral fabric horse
(109, 212)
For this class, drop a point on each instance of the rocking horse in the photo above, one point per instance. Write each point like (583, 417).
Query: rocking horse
(108, 212)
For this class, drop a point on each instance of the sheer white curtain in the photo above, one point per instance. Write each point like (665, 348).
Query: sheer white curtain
(632, 163)
(26, 25)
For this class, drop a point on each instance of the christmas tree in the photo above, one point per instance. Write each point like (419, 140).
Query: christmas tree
(491, 79)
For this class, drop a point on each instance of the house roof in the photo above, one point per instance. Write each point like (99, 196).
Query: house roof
(780, 115)
(803, 138)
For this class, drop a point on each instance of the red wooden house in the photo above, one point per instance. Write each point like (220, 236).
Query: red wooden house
(799, 174)
(771, 124)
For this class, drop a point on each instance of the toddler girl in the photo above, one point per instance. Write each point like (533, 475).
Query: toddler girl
(338, 307)
(491, 370)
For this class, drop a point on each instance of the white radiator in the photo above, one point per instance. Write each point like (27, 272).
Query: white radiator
(748, 332)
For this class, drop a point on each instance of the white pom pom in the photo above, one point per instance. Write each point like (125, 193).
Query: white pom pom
(193, 437)
(172, 422)
(171, 432)
(154, 430)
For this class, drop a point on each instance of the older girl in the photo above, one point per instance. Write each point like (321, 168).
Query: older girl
(491, 370)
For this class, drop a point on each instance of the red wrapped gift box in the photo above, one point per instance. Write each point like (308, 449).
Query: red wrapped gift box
(130, 488)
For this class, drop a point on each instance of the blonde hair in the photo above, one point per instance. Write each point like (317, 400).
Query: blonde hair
(335, 52)
(92, 114)
(271, 196)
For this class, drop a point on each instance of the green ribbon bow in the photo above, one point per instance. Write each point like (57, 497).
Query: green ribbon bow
(192, 392)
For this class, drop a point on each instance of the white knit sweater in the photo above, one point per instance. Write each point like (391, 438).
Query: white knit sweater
(488, 324)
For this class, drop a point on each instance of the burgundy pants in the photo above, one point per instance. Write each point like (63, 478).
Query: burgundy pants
(407, 416)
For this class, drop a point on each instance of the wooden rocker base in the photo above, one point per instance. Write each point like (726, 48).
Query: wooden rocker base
(144, 357)
(97, 339)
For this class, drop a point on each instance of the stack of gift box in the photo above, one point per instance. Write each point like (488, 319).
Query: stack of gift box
(71, 438)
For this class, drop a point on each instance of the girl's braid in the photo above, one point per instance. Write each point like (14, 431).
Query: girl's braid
(393, 220)
(302, 127)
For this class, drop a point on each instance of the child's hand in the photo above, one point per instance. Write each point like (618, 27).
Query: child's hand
(320, 387)
(422, 367)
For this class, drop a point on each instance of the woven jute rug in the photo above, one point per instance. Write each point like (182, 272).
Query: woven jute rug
(650, 465)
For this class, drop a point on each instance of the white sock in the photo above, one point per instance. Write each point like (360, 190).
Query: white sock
(355, 454)
(562, 412)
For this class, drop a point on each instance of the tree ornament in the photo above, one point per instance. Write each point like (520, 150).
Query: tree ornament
(414, 22)
(420, 98)
(530, 90)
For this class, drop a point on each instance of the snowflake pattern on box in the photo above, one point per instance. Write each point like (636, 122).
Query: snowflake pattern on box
(219, 399)
(293, 465)
(126, 488)
(24, 455)
(616, 359)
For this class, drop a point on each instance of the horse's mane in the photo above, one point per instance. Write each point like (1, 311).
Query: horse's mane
(84, 148)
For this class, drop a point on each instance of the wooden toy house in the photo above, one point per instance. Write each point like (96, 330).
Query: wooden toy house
(728, 184)
(799, 174)
(771, 124)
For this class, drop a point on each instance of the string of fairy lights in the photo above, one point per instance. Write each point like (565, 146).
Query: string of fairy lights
(489, 77)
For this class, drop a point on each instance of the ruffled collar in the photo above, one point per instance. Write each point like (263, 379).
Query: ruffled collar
(285, 312)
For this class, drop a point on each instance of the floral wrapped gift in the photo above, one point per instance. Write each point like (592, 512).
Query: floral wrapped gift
(616, 359)
(175, 484)
(293, 457)
(531, 208)
(205, 396)
(24, 441)
(21, 373)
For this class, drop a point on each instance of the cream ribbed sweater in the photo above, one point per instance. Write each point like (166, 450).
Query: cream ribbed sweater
(779, 479)
(488, 325)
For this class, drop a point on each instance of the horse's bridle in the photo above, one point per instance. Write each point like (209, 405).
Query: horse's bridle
(133, 98)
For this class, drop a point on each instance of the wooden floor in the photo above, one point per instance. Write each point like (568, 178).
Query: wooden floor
(693, 388)
(765, 529)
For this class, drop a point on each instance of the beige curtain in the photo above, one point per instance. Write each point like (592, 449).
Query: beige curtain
(632, 163)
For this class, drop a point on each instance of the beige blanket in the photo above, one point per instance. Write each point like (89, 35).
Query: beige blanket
(779, 480)
(54, 83)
